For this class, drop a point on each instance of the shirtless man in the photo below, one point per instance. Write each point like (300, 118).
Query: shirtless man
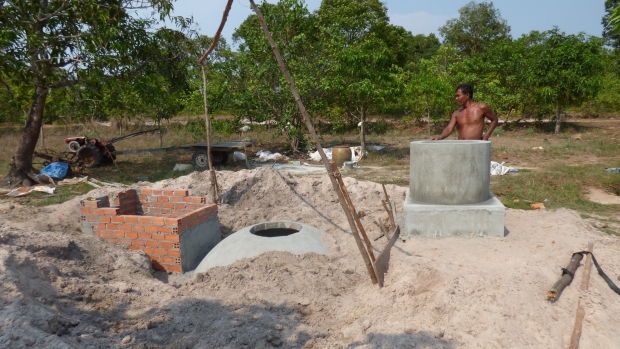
(470, 117)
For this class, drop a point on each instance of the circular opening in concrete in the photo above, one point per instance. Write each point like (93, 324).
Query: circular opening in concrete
(275, 229)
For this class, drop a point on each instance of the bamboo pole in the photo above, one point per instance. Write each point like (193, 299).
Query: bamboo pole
(345, 193)
(306, 117)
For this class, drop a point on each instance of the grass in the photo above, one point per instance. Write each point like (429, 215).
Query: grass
(61, 195)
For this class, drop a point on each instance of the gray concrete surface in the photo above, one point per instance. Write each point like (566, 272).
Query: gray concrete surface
(198, 241)
(450, 172)
(436, 221)
(244, 244)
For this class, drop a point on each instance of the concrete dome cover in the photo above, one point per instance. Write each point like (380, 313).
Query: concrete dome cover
(294, 237)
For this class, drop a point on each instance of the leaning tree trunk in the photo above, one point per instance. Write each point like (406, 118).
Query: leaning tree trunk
(558, 119)
(30, 136)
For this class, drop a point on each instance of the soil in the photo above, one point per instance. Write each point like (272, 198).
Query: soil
(63, 290)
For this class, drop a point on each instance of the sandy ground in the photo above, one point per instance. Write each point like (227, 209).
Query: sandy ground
(63, 290)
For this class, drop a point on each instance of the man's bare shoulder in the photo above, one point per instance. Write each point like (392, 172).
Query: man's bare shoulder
(480, 105)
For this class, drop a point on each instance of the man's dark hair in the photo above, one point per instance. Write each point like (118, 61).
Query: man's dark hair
(466, 89)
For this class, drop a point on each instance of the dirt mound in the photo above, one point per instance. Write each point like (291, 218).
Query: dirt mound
(64, 290)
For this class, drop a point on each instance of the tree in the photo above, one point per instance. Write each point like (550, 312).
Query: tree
(477, 27)
(259, 89)
(362, 57)
(565, 69)
(610, 23)
(58, 44)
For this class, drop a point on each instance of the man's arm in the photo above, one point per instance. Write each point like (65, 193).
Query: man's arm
(489, 114)
(446, 131)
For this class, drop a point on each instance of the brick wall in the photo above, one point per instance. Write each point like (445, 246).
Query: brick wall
(174, 229)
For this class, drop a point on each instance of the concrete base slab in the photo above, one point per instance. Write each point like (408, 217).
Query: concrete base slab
(435, 221)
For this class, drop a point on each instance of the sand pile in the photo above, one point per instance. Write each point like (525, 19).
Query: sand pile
(63, 290)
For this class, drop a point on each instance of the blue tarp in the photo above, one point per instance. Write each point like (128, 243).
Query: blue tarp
(56, 170)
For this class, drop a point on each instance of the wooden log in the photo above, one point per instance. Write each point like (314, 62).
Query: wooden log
(317, 143)
(574, 339)
(345, 193)
(388, 207)
(567, 277)
(587, 266)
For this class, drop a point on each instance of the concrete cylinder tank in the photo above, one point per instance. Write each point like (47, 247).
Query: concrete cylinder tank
(450, 172)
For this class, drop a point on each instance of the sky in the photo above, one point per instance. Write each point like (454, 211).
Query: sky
(425, 17)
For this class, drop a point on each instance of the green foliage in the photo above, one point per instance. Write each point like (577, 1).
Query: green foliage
(478, 26)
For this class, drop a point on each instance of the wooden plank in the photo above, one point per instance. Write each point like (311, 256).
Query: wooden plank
(382, 263)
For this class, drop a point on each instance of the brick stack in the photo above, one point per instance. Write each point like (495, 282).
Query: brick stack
(149, 220)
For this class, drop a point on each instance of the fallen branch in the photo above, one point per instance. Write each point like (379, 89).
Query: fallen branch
(568, 274)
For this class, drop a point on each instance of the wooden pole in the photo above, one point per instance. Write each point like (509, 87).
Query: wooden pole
(345, 193)
(216, 38)
(586, 271)
(306, 117)
(388, 207)
(574, 339)
(581, 313)
(215, 189)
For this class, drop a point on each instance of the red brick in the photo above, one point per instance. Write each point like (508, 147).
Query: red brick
(105, 219)
(92, 218)
(110, 211)
(145, 219)
(158, 237)
(137, 243)
(131, 219)
(100, 226)
(191, 206)
(85, 210)
(158, 221)
(175, 268)
(151, 243)
(171, 238)
(168, 204)
(198, 200)
(147, 250)
(124, 241)
(158, 204)
(146, 191)
(164, 244)
(118, 219)
(174, 253)
(112, 226)
(125, 227)
(151, 229)
(137, 227)
(90, 204)
(159, 252)
(133, 248)
(167, 260)
(131, 192)
(131, 234)
(187, 199)
(172, 221)
(97, 211)
(165, 230)
(119, 234)
(156, 192)
(106, 234)
(174, 199)
(181, 193)
(168, 192)
(144, 235)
